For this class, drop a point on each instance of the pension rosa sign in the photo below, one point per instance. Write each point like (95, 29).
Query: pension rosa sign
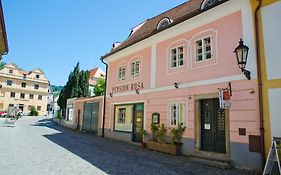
(128, 87)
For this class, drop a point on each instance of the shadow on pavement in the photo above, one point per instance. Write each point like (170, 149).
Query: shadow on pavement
(117, 157)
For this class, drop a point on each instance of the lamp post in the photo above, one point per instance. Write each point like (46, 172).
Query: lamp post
(241, 52)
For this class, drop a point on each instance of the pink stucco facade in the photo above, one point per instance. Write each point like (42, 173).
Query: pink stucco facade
(196, 81)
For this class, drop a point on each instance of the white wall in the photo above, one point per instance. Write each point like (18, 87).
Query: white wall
(275, 111)
(271, 21)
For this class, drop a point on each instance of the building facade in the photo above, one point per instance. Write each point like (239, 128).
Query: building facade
(170, 70)
(23, 89)
(269, 28)
(94, 75)
(3, 37)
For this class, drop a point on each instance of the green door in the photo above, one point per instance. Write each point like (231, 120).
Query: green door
(212, 126)
(138, 122)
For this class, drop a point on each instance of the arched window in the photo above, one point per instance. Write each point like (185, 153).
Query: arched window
(208, 3)
(164, 23)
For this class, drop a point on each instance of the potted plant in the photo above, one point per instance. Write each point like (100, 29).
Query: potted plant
(176, 133)
(143, 133)
(154, 131)
(158, 142)
(161, 133)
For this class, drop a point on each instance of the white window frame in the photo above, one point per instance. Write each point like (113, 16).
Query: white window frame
(177, 112)
(121, 116)
(204, 52)
(177, 55)
(122, 73)
(135, 68)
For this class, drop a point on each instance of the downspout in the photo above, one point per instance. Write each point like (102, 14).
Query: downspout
(259, 82)
(104, 97)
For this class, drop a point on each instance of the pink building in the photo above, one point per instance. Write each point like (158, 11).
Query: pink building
(173, 65)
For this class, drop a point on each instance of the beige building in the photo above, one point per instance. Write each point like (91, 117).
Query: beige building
(23, 89)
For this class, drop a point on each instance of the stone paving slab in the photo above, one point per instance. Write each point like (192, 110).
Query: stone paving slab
(40, 146)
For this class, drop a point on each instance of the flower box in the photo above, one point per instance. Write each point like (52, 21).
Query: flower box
(169, 148)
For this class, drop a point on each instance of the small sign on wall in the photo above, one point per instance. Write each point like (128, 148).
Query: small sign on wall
(207, 126)
(224, 98)
(155, 118)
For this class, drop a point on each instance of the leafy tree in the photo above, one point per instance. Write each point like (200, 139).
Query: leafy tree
(83, 83)
(99, 87)
(76, 86)
(33, 111)
(2, 64)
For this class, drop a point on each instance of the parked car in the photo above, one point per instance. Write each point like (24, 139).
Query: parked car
(3, 113)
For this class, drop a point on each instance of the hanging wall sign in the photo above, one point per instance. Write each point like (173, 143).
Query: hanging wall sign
(224, 98)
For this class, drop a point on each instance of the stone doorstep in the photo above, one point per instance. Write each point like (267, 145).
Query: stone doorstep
(222, 164)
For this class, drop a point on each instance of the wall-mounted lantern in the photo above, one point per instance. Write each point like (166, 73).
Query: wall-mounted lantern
(241, 52)
(111, 95)
(137, 91)
(176, 85)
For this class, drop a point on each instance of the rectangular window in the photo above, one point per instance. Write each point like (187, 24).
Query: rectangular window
(121, 115)
(1, 105)
(31, 96)
(38, 108)
(13, 95)
(23, 84)
(37, 76)
(29, 107)
(121, 73)
(177, 114)
(39, 97)
(11, 71)
(203, 49)
(9, 82)
(22, 95)
(36, 86)
(11, 105)
(135, 69)
(177, 57)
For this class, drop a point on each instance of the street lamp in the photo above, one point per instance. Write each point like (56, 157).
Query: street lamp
(241, 52)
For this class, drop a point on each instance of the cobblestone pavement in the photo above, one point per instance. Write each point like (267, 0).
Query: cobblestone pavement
(38, 146)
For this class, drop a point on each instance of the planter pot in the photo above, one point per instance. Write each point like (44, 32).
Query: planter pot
(169, 148)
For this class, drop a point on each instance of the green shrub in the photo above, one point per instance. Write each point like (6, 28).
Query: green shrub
(58, 115)
(154, 131)
(162, 133)
(176, 133)
(33, 111)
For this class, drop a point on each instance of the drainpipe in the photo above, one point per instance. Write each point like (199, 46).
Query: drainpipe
(104, 96)
(259, 82)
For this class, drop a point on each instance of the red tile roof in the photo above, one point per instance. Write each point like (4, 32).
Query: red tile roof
(178, 14)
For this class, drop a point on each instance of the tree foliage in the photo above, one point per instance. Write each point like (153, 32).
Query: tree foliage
(99, 87)
(2, 64)
(76, 86)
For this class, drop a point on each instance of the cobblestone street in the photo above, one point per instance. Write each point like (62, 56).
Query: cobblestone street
(39, 146)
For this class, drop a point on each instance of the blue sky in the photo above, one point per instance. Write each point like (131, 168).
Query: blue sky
(55, 34)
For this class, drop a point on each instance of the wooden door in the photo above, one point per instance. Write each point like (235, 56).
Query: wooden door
(212, 126)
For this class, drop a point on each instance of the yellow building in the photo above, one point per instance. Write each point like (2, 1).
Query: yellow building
(23, 89)
(268, 28)
(3, 36)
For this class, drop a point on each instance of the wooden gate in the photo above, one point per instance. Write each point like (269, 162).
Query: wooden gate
(90, 117)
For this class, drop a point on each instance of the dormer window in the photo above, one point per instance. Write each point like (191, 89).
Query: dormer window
(11, 71)
(37, 76)
(164, 23)
(208, 3)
